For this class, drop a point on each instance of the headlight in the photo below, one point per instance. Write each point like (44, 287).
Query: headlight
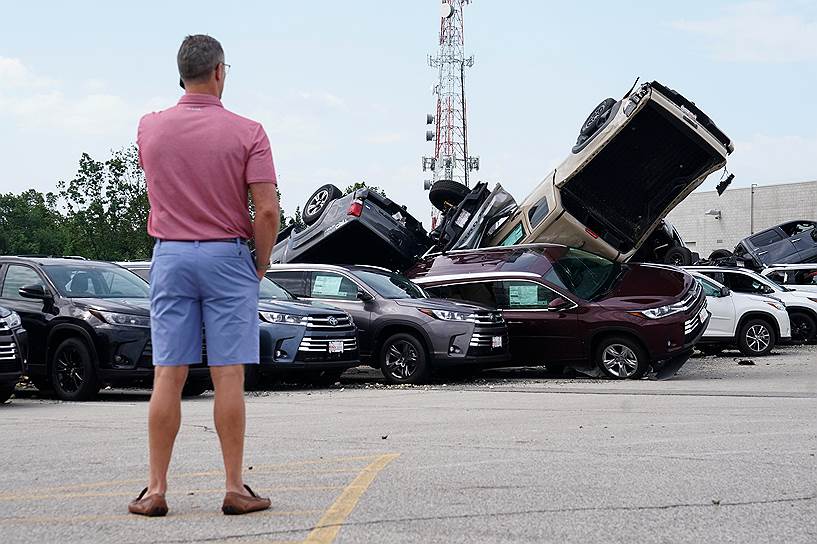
(128, 320)
(446, 315)
(658, 313)
(12, 320)
(776, 305)
(273, 317)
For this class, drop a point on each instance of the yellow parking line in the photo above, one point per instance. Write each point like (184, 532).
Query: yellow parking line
(330, 523)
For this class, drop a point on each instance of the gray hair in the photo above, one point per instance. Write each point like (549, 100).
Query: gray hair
(199, 55)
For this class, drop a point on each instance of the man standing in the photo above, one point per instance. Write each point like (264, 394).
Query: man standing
(201, 161)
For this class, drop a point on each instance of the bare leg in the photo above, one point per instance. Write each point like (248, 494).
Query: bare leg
(164, 418)
(229, 415)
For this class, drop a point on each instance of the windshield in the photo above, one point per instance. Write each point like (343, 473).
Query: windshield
(271, 290)
(84, 280)
(390, 285)
(585, 275)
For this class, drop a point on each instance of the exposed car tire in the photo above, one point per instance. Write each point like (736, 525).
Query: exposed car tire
(73, 372)
(720, 254)
(678, 256)
(6, 391)
(318, 202)
(621, 358)
(803, 327)
(711, 349)
(446, 193)
(403, 359)
(194, 389)
(756, 338)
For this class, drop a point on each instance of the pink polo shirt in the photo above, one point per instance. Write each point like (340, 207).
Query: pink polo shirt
(199, 160)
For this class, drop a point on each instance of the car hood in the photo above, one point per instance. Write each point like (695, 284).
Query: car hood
(135, 306)
(440, 304)
(641, 286)
(297, 307)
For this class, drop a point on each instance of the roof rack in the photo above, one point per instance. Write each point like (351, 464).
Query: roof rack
(44, 256)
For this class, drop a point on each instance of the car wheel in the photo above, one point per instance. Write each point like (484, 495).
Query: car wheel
(446, 193)
(756, 338)
(803, 327)
(73, 374)
(194, 389)
(6, 391)
(318, 202)
(678, 256)
(713, 349)
(595, 120)
(621, 358)
(720, 254)
(403, 359)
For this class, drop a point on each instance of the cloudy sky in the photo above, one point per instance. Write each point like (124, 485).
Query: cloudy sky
(342, 88)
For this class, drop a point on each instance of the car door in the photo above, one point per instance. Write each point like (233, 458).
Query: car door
(803, 235)
(35, 314)
(744, 283)
(773, 246)
(722, 323)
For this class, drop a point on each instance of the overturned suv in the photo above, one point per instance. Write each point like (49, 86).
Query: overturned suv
(634, 161)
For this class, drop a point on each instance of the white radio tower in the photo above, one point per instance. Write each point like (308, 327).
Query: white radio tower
(451, 161)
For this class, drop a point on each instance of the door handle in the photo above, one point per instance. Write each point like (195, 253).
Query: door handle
(513, 322)
(795, 240)
(762, 252)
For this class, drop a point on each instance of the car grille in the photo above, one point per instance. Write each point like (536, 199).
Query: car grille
(9, 357)
(147, 354)
(487, 325)
(489, 319)
(328, 322)
(321, 345)
(481, 340)
(4, 329)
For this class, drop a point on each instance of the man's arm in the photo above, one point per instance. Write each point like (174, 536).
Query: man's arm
(267, 221)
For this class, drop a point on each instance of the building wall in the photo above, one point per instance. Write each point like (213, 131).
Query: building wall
(773, 204)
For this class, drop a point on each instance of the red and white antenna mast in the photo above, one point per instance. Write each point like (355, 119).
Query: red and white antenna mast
(451, 161)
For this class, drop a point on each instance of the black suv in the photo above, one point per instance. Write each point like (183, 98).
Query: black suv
(12, 351)
(400, 329)
(88, 324)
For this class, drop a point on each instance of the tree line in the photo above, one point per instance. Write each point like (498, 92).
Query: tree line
(99, 214)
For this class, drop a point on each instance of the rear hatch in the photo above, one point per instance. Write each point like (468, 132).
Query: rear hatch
(643, 171)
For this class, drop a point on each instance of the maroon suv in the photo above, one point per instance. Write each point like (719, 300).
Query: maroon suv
(565, 306)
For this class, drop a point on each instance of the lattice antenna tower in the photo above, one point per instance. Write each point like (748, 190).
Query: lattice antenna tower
(450, 127)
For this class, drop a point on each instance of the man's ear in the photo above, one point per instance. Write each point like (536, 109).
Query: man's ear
(219, 71)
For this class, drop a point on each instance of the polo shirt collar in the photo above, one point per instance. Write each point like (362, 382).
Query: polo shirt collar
(200, 99)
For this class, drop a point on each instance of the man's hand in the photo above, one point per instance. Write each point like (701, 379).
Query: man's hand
(261, 272)
(267, 221)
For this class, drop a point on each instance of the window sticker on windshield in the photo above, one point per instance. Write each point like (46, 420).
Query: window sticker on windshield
(462, 218)
(327, 285)
(523, 295)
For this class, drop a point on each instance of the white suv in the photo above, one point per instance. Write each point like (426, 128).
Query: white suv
(753, 323)
(802, 277)
(801, 305)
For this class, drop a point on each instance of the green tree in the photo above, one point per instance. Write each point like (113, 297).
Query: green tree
(30, 223)
(361, 185)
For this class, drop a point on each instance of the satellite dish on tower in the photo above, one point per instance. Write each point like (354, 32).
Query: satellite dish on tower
(446, 10)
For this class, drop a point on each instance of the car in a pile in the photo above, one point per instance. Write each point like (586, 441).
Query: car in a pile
(401, 330)
(788, 243)
(309, 341)
(13, 346)
(568, 307)
(752, 323)
(802, 277)
(88, 325)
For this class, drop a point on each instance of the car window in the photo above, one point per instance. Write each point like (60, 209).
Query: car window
(332, 285)
(478, 292)
(143, 273)
(710, 289)
(538, 212)
(797, 227)
(522, 295)
(766, 238)
(743, 283)
(514, 236)
(268, 289)
(294, 281)
(717, 276)
(388, 284)
(777, 277)
(84, 280)
(802, 277)
(584, 274)
(19, 276)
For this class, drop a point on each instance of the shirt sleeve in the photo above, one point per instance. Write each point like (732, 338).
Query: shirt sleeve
(260, 168)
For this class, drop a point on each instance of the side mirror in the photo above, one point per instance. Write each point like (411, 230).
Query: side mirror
(558, 304)
(35, 291)
(725, 291)
(364, 296)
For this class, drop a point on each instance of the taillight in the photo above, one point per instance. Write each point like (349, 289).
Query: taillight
(591, 233)
(355, 208)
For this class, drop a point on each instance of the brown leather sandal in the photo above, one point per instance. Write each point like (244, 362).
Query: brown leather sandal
(152, 506)
(236, 504)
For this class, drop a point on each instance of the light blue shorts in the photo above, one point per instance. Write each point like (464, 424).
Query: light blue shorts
(209, 285)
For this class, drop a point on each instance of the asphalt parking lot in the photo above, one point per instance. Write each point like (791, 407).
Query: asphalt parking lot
(725, 452)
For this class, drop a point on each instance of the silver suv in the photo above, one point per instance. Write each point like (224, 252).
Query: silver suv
(400, 329)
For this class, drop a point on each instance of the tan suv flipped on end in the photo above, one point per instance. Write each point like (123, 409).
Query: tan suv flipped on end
(634, 161)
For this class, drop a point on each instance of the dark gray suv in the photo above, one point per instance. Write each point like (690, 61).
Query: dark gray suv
(400, 329)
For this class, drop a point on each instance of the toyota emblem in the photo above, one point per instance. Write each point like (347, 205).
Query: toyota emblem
(333, 321)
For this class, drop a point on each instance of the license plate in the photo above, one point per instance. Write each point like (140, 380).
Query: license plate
(462, 218)
(704, 314)
(336, 346)
(496, 342)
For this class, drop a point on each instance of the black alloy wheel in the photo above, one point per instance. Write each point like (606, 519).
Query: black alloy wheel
(446, 194)
(319, 201)
(597, 118)
(6, 391)
(403, 360)
(756, 338)
(621, 358)
(803, 327)
(678, 256)
(720, 254)
(73, 373)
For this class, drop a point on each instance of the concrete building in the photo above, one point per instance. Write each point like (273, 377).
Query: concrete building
(707, 221)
